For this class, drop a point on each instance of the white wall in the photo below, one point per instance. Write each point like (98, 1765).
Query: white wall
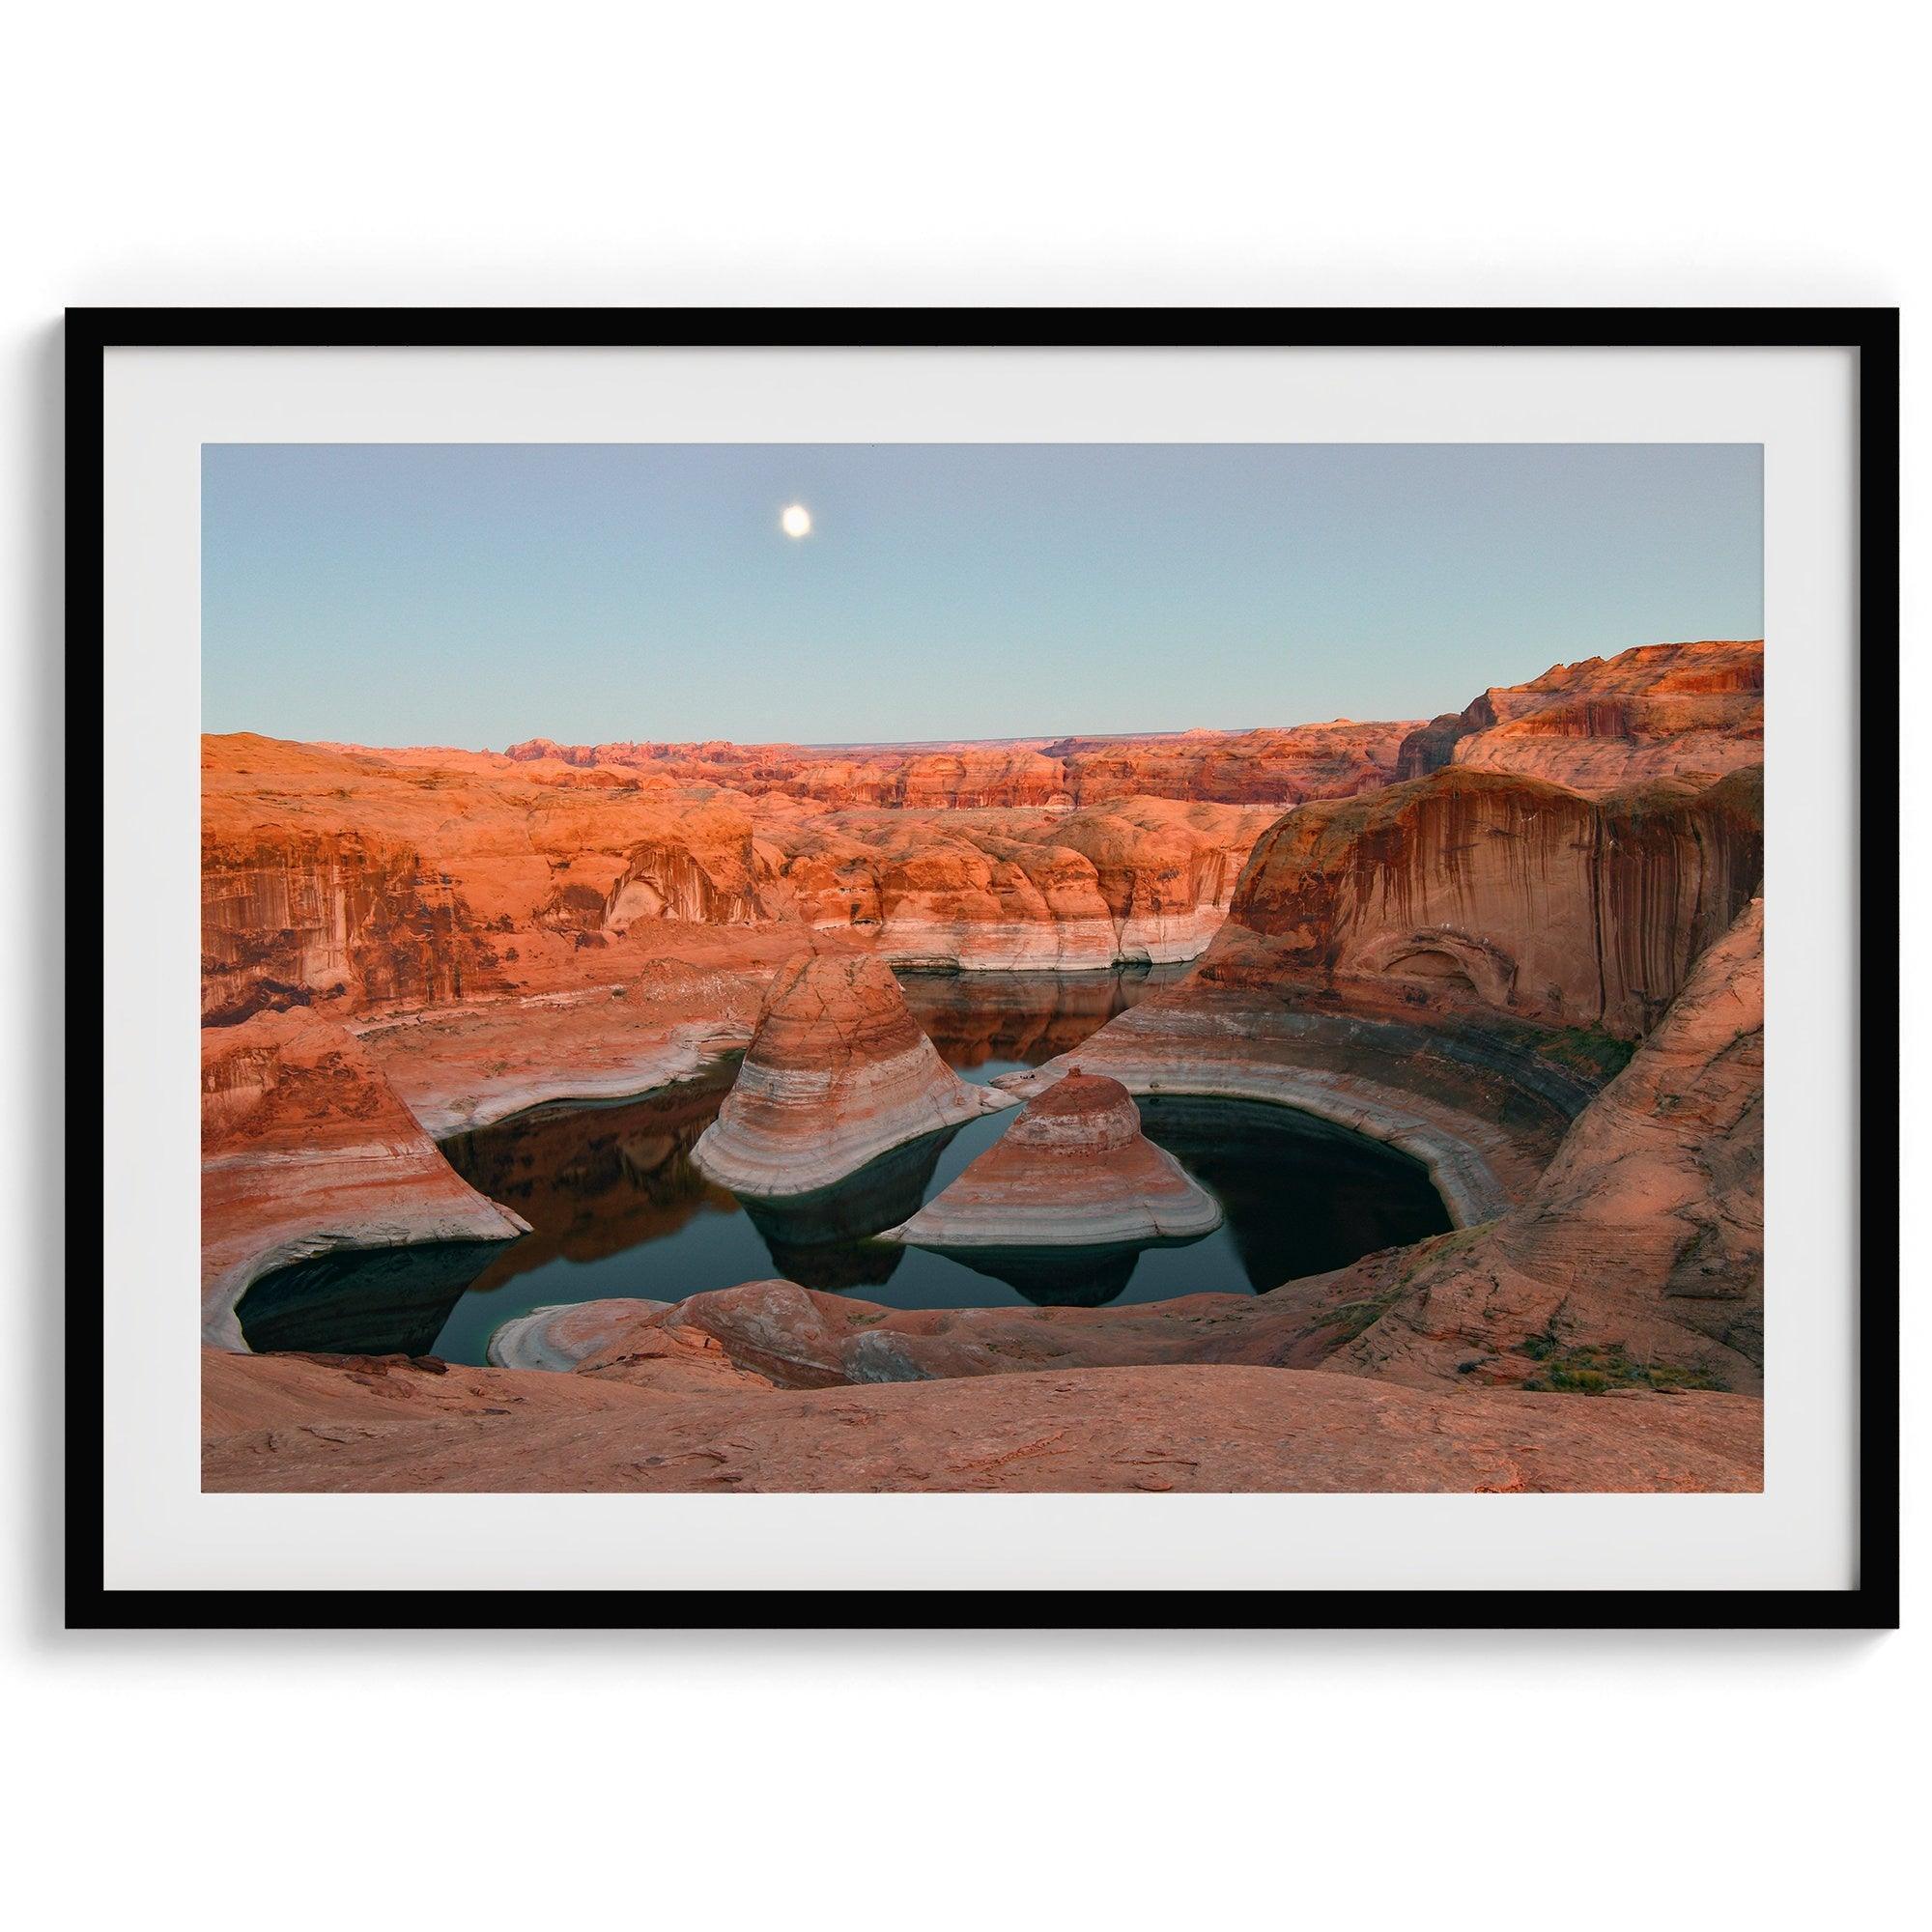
(1209, 153)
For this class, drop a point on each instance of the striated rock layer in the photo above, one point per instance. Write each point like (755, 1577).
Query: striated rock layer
(305, 1149)
(1471, 889)
(368, 883)
(1691, 710)
(1074, 1170)
(1482, 1106)
(836, 1074)
(458, 1068)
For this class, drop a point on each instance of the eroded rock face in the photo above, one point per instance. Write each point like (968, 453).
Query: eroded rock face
(305, 1149)
(368, 883)
(1691, 710)
(560, 1337)
(1637, 1258)
(1473, 888)
(1074, 1170)
(836, 1074)
(463, 1067)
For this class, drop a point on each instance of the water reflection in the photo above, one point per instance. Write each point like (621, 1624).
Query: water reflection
(1300, 1195)
(1059, 1277)
(1027, 1018)
(821, 1239)
(362, 1302)
(596, 1179)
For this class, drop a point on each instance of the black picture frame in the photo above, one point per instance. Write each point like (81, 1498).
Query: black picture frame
(1873, 333)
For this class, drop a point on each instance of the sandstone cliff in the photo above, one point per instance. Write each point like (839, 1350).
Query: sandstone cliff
(369, 882)
(1637, 1260)
(1691, 710)
(1478, 888)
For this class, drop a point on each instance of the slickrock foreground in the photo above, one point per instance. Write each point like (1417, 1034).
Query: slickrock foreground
(292, 1423)
(304, 1150)
(1074, 1170)
(836, 1074)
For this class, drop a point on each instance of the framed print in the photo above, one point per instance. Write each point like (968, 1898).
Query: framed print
(1067, 967)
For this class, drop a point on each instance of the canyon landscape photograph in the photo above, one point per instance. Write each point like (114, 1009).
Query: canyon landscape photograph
(1134, 968)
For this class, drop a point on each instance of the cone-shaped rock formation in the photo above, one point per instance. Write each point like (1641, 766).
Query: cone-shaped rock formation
(838, 1073)
(1073, 1170)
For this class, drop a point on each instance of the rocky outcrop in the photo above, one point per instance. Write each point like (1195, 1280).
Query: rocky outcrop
(460, 1068)
(294, 1423)
(836, 1074)
(307, 1149)
(1692, 710)
(626, 1345)
(1472, 889)
(1637, 1258)
(1145, 882)
(560, 1337)
(1074, 1170)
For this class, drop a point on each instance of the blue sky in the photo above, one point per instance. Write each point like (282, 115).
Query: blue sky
(477, 594)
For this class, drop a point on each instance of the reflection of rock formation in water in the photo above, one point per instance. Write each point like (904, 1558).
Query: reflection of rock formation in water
(974, 1017)
(1301, 1195)
(593, 1181)
(380, 1301)
(1073, 1170)
(836, 1073)
(1058, 1277)
(825, 1239)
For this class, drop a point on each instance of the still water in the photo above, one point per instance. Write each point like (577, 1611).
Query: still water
(616, 1208)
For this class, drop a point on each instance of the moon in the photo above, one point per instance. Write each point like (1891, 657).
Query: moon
(795, 520)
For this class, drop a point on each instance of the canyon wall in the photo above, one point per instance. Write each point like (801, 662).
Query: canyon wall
(368, 882)
(1472, 889)
(1637, 1261)
(365, 882)
(1691, 710)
